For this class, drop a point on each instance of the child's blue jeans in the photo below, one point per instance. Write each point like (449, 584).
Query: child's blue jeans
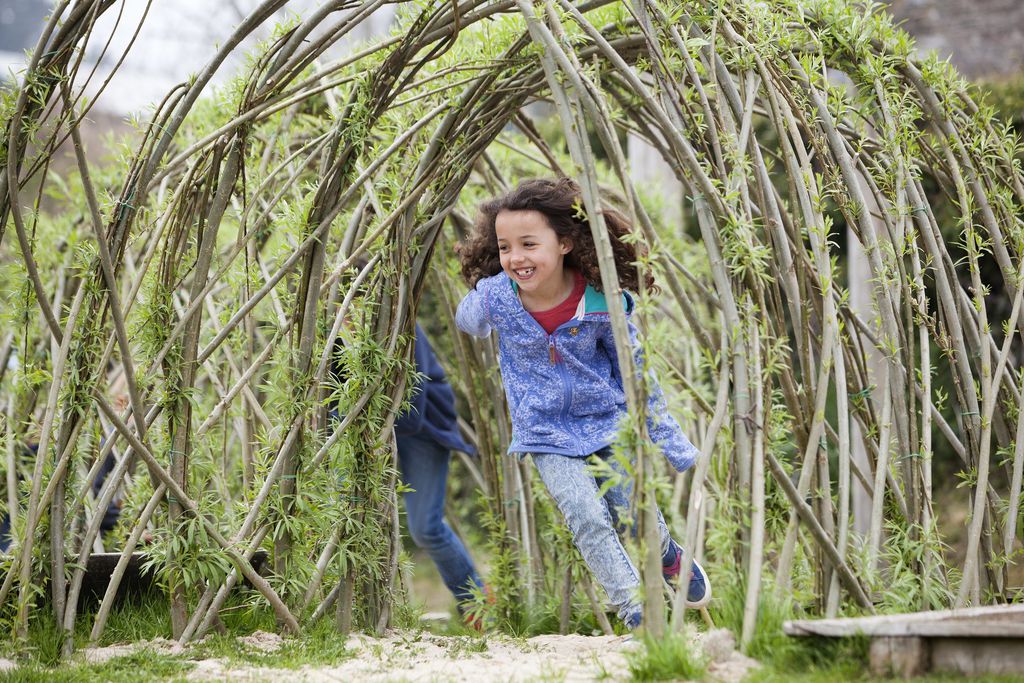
(424, 466)
(595, 522)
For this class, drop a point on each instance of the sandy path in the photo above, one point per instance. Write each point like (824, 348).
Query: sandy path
(421, 657)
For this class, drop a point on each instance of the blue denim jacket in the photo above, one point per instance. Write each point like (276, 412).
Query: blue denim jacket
(565, 389)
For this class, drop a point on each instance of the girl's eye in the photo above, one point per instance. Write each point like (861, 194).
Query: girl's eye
(503, 248)
(527, 244)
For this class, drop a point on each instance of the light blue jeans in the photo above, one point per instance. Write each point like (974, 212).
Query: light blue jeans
(596, 522)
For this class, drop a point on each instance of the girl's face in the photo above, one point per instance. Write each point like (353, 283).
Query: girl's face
(532, 253)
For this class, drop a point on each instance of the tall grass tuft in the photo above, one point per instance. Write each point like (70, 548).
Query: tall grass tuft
(769, 642)
(668, 658)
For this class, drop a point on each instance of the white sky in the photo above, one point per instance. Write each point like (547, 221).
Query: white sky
(177, 39)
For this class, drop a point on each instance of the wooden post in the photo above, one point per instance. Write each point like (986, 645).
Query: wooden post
(903, 656)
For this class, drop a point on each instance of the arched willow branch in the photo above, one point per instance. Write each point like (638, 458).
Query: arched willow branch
(249, 277)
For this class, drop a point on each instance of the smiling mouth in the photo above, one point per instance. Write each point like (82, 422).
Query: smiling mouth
(523, 273)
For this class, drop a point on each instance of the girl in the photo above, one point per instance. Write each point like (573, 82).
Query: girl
(533, 267)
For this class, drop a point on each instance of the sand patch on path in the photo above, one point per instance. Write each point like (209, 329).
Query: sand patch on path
(421, 657)
(425, 657)
(99, 655)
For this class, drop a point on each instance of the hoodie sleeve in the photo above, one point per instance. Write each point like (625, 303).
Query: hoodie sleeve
(665, 430)
(662, 427)
(473, 314)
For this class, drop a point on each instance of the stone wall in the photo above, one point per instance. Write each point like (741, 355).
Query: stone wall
(983, 38)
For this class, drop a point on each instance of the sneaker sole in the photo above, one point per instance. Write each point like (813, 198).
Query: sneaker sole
(707, 591)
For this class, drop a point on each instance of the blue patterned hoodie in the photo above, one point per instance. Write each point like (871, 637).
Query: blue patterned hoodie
(564, 389)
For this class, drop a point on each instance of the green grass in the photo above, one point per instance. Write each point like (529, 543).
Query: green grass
(319, 644)
(669, 658)
(44, 640)
(142, 617)
(769, 643)
(466, 646)
(139, 667)
(145, 618)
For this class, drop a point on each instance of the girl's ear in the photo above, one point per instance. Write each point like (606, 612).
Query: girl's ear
(565, 245)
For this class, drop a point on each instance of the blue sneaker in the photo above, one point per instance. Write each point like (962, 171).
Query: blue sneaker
(698, 593)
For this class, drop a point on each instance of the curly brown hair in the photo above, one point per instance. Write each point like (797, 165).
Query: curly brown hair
(559, 200)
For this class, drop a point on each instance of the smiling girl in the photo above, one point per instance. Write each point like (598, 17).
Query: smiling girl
(533, 266)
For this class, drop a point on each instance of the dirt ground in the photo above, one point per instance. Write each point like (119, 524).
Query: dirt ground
(421, 656)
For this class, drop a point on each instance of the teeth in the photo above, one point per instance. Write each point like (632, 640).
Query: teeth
(524, 272)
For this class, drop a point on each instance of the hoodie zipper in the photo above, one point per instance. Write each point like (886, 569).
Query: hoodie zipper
(563, 374)
(554, 359)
